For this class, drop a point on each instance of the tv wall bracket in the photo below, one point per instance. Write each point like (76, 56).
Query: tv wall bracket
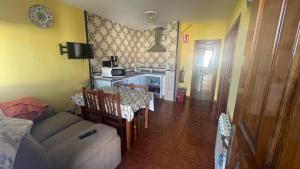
(63, 49)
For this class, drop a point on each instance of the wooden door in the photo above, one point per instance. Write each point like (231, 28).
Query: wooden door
(266, 103)
(226, 67)
(288, 148)
(205, 69)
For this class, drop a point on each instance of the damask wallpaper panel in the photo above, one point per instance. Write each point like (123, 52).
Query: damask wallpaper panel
(130, 45)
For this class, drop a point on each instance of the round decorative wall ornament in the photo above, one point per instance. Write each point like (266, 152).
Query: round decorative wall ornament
(41, 16)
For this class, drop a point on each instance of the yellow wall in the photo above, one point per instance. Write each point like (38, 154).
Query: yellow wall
(216, 30)
(240, 8)
(30, 63)
(202, 31)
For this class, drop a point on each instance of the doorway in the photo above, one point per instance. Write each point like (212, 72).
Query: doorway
(205, 69)
(226, 67)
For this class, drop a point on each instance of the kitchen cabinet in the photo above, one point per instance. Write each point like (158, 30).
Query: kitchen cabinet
(137, 80)
(156, 82)
(102, 83)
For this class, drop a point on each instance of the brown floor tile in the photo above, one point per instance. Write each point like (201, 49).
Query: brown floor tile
(179, 136)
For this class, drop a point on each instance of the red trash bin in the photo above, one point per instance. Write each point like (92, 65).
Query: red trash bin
(180, 95)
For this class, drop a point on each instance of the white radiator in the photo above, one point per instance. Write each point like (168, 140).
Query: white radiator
(224, 130)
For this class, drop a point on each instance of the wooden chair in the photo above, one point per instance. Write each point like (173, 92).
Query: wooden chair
(112, 116)
(133, 86)
(118, 84)
(92, 109)
(137, 119)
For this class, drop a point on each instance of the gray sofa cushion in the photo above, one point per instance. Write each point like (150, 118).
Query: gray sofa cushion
(66, 134)
(104, 144)
(44, 129)
(31, 155)
(108, 158)
(46, 114)
(56, 145)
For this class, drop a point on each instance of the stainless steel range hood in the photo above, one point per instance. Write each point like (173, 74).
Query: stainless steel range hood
(158, 47)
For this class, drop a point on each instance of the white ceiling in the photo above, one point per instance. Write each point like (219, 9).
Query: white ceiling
(131, 12)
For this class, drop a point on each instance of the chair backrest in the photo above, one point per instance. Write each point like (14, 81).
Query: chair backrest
(92, 104)
(119, 84)
(132, 86)
(111, 107)
(112, 116)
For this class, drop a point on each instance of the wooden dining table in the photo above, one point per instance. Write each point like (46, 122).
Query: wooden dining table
(131, 100)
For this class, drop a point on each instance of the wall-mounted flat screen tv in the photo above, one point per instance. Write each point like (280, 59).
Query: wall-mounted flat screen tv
(80, 50)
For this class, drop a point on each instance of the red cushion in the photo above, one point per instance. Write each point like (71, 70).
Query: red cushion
(25, 108)
(25, 100)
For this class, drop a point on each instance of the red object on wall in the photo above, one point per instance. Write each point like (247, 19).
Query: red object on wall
(186, 38)
(181, 75)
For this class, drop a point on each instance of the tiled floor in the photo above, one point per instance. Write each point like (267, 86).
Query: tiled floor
(179, 137)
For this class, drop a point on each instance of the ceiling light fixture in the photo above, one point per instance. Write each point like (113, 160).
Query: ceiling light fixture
(151, 14)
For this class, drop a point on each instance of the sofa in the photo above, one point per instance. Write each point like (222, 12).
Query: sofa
(61, 141)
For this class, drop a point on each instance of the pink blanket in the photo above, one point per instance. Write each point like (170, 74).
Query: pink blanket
(25, 108)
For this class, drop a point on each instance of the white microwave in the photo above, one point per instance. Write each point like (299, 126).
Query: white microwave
(113, 72)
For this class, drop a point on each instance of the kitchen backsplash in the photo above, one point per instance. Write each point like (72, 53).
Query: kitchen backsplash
(130, 45)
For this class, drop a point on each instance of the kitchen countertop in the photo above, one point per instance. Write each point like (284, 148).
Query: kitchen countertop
(129, 75)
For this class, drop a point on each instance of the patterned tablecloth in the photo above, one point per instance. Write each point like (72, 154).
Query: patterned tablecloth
(131, 100)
